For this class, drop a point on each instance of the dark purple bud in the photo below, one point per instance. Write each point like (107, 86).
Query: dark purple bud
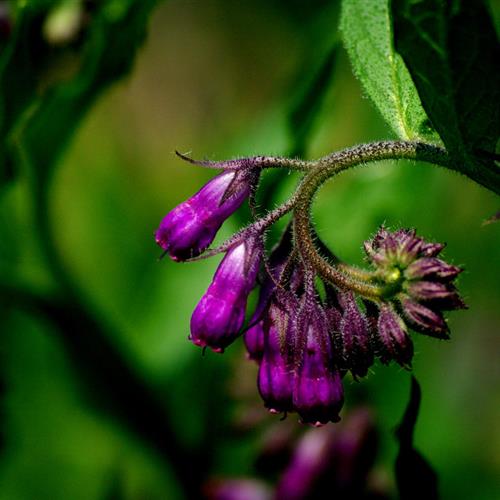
(318, 394)
(354, 337)
(432, 290)
(275, 378)
(431, 249)
(189, 228)
(409, 245)
(219, 316)
(399, 248)
(237, 489)
(254, 341)
(431, 268)
(424, 320)
(395, 343)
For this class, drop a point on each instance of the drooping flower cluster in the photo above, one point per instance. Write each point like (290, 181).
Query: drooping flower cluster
(305, 339)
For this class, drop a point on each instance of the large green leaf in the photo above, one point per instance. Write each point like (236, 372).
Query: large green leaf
(453, 55)
(367, 32)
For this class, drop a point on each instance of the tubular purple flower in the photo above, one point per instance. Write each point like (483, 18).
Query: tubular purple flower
(219, 316)
(275, 378)
(189, 228)
(318, 394)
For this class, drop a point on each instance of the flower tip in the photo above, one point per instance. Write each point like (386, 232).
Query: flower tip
(184, 157)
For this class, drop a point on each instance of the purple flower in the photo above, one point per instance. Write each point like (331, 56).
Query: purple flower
(318, 394)
(219, 316)
(189, 228)
(275, 378)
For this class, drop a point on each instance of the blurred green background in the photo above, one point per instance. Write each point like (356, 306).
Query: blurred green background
(221, 79)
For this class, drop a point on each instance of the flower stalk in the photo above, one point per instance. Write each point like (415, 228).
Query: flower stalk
(305, 345)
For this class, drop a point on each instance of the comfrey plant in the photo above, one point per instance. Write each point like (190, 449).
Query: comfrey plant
(306, 339)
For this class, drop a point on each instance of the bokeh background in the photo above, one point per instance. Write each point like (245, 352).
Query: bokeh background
(219, 80)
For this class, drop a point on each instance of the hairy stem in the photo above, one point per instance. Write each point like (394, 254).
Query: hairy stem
(343, 275)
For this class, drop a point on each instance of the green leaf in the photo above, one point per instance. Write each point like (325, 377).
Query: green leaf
(452, 52)
(47, 88)
(367, 32)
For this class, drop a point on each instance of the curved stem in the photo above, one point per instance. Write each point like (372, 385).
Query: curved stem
(345, 276)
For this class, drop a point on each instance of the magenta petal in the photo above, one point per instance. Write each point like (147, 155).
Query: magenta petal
(190, 227)
(217, 319)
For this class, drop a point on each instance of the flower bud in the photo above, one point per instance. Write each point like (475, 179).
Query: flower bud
(424, 320)
(219, 316)
(318, 394)
(189, 228)
(395, 343)
(419, 283)
(275, 378)
(354, 338)
(431, 267)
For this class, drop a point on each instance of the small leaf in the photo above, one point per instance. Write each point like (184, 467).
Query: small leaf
(452, 52)
(368, 37)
